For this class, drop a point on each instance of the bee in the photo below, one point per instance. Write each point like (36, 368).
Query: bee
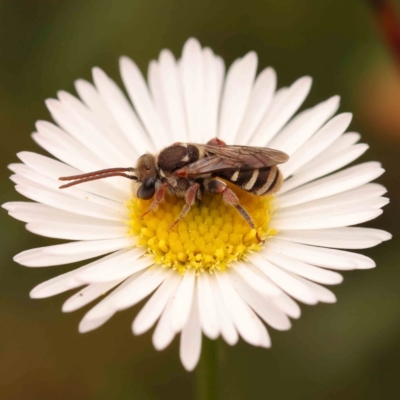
(187, 170)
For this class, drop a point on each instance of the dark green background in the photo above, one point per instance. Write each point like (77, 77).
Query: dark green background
(344, 351)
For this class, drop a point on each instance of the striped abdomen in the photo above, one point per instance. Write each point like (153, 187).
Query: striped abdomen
(260, 182)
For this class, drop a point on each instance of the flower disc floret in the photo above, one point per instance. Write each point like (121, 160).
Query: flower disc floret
(211, 236)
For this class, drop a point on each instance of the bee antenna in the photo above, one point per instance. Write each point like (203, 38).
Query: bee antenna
(92, 176)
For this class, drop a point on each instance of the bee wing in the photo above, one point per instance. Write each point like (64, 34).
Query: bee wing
(234, 157)
(207, 165)
(254, 157)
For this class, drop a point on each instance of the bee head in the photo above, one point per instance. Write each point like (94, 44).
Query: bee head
(146, 172)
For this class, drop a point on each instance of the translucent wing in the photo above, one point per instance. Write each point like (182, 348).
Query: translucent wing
(221, 158)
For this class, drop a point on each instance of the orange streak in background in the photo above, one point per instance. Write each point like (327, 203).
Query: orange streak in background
(388, 24)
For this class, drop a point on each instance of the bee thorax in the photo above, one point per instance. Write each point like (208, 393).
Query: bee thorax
(177, 156)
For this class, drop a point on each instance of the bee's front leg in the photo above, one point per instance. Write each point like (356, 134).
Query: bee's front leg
(159, 197)
(190, 198)
(219, 187)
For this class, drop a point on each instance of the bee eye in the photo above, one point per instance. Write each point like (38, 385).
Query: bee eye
(147, 189)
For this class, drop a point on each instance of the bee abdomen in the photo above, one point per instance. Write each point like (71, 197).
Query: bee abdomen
(269, 181)
(257, 181)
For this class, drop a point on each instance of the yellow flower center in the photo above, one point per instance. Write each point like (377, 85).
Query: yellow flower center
(211, 236)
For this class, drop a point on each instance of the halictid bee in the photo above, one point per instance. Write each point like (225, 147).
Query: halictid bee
(189, 169)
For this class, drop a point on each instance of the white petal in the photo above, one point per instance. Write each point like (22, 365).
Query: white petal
(256, 279)
(238, 85)
(350, 200)
(303, 269)
(193, 80)
(360, 200)
(91, 97)
(68, 280)
(53, 170)
(67, 121)
(154, 307)
(323, 294)
(264, 307)
(190, 345)
(337, 147)
(227, 327)
(285, 103)
(27, 177)
(303, 126)
(324, 209)
(45, 166)
(69, 204)
(44, 213)
(22, 181)
(164, 334)
(70, 252)
(54, 145)
(288, 282)
(76, 231)
(278, 101)
(260, 99)
(327, 135)
(155, 85)
(141, 287)
(313, 171)
(56, 285)
(88, 121)
(88, 294)
(265, 340)
(87, 325)
(287, 305)
(339, 182)
(30, 207)
(340, 238)
(206, 303)
(171, 91)
(104, 263)
(322, 257)
(37, 212)
(66, 148)
(104, 310)
(130, 262)
(182, 301)
(72, 152)
(139, 94)
(329, 220)
(241, 314)
(214, 69)
(123, 113)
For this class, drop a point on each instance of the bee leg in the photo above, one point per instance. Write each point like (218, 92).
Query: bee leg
(216, 142)
(217, 186)
(157, 200)
(190, 197)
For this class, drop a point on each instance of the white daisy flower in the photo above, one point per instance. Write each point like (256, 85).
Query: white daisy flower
(208, 274)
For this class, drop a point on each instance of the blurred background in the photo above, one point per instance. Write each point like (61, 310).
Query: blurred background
(344, 351)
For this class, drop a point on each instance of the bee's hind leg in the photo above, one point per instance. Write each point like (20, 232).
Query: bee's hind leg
(217, 186)
(190, 197)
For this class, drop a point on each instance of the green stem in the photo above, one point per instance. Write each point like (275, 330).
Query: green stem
(208, 371)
